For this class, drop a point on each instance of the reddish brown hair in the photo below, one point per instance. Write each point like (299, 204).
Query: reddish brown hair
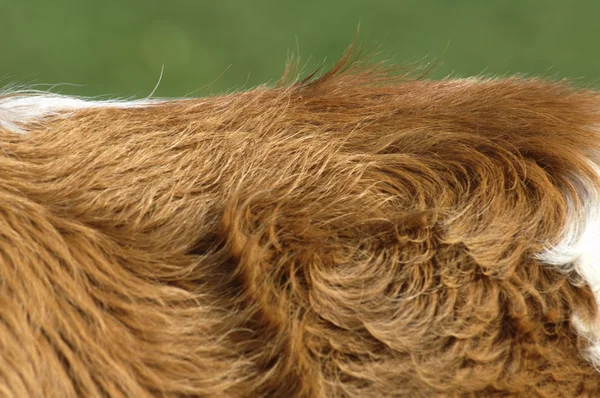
(354, 235)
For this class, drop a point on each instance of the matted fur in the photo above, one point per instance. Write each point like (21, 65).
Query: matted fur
(355, 235)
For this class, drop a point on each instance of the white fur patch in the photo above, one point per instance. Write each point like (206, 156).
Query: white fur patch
(580, 249)
(18, 110)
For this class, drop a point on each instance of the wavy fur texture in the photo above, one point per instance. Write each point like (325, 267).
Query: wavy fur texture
(361, 234)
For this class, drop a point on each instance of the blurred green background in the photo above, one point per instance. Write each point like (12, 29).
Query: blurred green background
(207, 47)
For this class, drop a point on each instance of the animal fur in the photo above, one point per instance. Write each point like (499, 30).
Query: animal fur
(361, 234)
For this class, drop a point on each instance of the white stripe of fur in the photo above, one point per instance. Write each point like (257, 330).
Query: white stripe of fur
(580, 249)
(18, 110)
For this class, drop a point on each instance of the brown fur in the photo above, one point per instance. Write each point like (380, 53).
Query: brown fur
(356, 235)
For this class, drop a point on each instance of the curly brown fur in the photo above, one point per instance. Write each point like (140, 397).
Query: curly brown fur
(355, 235)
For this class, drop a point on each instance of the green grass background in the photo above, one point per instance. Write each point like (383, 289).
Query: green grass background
(118, 48)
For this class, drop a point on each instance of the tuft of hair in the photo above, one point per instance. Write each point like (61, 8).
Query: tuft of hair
(359, 234)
